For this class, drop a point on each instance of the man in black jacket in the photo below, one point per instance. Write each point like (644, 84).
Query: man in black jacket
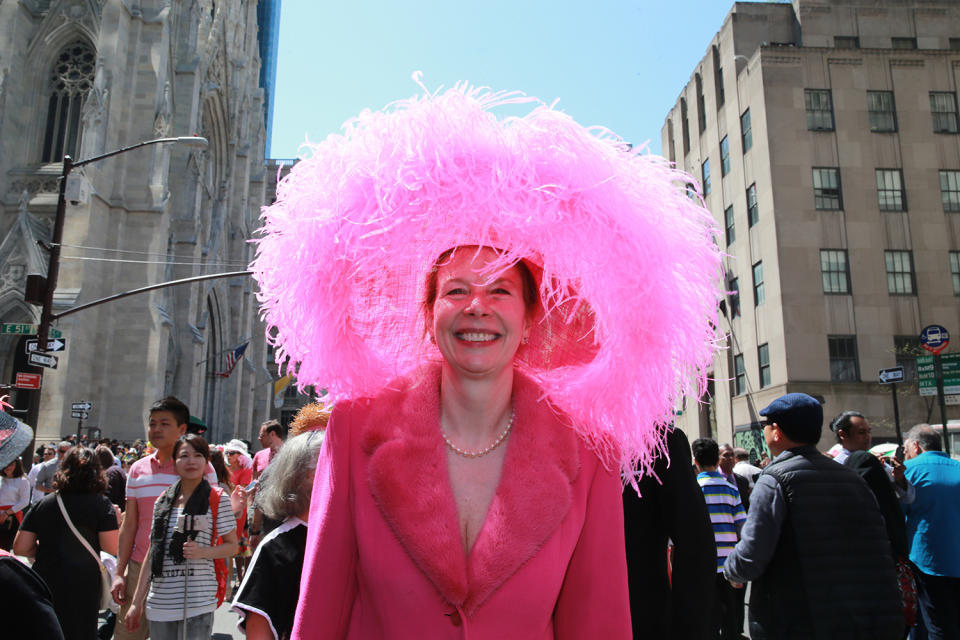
(808, 580)
(670, 509)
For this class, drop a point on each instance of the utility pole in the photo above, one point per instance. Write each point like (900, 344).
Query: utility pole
(37, 284)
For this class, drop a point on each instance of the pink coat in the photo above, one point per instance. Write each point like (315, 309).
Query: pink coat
(384, 555)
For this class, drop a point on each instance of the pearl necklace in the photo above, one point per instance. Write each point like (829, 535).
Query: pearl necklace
(478, 454)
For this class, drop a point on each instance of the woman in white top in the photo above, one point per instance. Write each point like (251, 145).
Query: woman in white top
(14, 497)
(188, 518)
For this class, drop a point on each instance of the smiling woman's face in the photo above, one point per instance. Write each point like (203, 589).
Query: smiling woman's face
(477, 320)
(190, 463)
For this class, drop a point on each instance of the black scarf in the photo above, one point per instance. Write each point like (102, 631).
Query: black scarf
(197, 504)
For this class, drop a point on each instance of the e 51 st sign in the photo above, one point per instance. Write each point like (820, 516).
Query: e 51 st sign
(891, 375)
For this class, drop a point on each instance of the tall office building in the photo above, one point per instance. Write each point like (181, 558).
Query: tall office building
(824, 137)
(268, 39)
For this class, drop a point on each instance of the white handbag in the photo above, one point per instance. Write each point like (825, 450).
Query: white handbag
(105, 583)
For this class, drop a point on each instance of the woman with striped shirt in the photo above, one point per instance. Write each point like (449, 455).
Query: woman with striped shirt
(183, 582)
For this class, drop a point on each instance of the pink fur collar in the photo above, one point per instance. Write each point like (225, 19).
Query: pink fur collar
(410, 482)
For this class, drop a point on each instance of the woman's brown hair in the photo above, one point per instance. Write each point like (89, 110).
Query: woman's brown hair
(80, 472)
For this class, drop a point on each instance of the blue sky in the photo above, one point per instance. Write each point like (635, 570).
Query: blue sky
(619, 64)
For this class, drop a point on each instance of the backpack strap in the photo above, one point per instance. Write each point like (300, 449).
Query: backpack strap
(214, 509)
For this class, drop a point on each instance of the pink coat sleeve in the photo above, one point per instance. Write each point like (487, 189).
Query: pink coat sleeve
(594, 601)
(328, 585)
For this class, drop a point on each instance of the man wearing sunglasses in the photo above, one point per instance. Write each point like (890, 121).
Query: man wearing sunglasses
(814, 542)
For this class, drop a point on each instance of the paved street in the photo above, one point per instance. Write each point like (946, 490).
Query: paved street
(225, 624)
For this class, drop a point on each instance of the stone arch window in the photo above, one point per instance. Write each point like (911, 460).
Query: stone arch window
(69, 82)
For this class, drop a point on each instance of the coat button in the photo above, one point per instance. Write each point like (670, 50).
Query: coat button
(455, 618)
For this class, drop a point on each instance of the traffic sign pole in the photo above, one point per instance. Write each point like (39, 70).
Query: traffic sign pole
(896, 413)
(943, 405)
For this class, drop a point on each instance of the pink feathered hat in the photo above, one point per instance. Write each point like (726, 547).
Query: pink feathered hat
(627, 263)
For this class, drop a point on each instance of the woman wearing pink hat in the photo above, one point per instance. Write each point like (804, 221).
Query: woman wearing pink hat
(504, 313)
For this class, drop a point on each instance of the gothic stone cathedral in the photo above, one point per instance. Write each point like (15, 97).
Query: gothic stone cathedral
(85, 77)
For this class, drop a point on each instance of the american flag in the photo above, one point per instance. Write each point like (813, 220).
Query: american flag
(233, 358)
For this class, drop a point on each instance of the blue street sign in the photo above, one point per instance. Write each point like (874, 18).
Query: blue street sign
(934, 338)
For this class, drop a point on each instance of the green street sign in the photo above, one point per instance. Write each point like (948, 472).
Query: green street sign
(926, 375)
(26, 329)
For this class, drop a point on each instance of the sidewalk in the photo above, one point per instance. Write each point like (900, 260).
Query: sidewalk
(225, 624)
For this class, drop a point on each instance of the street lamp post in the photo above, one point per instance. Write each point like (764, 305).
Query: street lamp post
(53, 269)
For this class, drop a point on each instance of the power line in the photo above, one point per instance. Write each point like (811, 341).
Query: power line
(171, 262)
(131, 252)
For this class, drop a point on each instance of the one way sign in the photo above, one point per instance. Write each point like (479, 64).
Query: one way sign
(54, 344)
(891, 375)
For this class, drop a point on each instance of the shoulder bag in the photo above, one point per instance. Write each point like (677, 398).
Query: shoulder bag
(105, 597)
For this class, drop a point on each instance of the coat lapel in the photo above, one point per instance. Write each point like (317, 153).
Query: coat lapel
(533, 497)
(410, 482)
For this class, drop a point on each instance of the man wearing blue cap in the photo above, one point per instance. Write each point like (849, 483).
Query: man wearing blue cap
(814, 543)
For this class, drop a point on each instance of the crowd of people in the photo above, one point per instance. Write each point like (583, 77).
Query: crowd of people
(163, 525)
(505, 314)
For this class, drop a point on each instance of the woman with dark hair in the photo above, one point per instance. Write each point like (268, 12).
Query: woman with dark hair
(61, 559)
(188, 519)
(14, 498)
(116, 481)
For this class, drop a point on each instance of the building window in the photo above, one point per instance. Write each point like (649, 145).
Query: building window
(746, 133)
(904, 43)
(684, 126)
(740, 375)
(718, 77)
(900, 280)
(70, 81)
(890, 194)
(955, 271)
(955, 44)
(763, 357)
(721, 94)
(671, 141)
(753, 210)
(843, 358)
(835, 271)
(724, 156)
(846, 42)
(883, 111)
(758, 291)
(950, 190)
(729, 229)
(943, 106)
(734, 296)
(705, 176)
(826, 189)
(701, 105)
(905, 350)
(819, 107)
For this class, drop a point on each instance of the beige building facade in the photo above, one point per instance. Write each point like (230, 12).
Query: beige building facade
(824, 137)
(82, 78)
